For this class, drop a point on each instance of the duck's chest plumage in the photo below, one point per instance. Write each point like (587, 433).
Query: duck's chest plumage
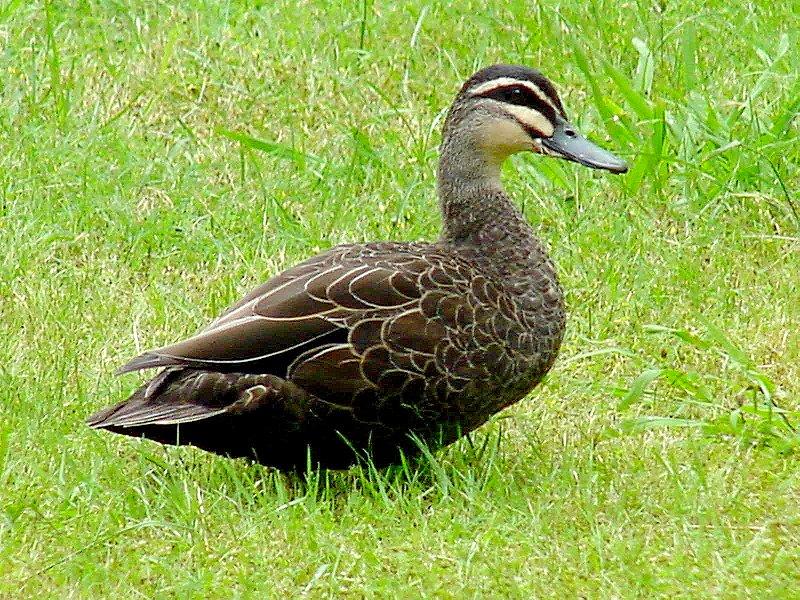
(474, 336)
(518, 324)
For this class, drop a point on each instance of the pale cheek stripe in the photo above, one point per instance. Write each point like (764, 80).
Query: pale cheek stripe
(532, 119)
(500, 82)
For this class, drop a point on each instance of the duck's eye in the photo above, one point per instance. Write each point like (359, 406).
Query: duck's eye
(514, 95)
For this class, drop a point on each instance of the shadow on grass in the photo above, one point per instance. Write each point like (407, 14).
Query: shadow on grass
(471, 466)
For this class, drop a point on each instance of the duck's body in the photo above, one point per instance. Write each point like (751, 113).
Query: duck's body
(372, 349)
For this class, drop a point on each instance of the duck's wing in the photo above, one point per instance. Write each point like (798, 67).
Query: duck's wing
(346, 300)
(263, 332)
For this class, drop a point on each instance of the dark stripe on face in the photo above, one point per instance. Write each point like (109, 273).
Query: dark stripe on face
(550, 91)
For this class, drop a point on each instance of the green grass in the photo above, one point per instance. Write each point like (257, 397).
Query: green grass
(157, 162)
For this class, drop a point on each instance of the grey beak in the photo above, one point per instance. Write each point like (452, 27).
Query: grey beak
(567, 143)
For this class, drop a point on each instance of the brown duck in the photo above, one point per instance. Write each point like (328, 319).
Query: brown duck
(367, 350)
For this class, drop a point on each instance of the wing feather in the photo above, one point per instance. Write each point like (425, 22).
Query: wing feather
(307, 307)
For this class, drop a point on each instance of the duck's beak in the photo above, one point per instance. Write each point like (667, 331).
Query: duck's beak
(567, 143)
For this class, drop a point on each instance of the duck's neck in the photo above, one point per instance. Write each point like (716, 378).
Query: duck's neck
(480, 219)
(475, 208)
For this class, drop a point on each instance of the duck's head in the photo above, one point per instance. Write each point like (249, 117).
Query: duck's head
(504, 109)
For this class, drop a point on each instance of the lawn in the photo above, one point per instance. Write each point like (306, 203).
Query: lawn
(158, 160)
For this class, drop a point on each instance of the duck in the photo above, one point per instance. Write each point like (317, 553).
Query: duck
(375, 351)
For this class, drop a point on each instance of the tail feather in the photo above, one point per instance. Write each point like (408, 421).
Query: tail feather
(172, 397)
(141, 413)
(177, 396)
